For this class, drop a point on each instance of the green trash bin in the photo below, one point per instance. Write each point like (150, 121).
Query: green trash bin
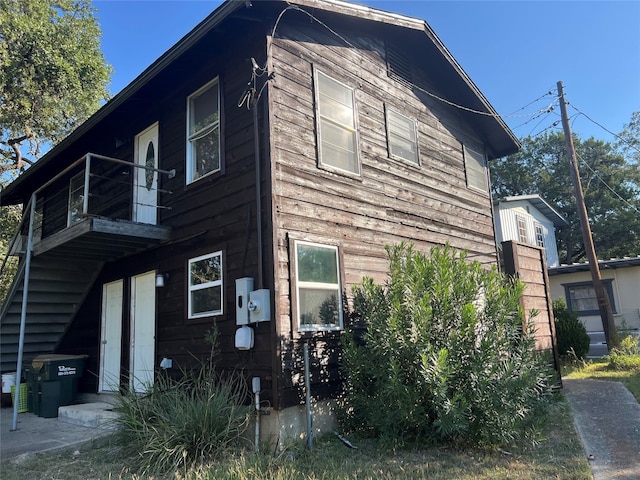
(56, 381)
(49, 399)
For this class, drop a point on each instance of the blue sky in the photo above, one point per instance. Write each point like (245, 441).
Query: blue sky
(515, 51)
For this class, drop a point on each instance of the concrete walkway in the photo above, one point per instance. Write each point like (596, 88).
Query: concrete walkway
(36, 434)
(607, 417)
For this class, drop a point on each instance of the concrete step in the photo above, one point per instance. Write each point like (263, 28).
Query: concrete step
(98, 414)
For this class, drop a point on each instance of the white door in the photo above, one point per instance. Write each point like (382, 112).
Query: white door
(143, 331)
(111, 337)
(145, 192)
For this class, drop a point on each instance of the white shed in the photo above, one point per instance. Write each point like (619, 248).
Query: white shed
(528, 219)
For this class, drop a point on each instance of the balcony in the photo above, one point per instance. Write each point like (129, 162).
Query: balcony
(99, 208)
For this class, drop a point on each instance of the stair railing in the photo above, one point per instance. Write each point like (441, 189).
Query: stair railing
(31, 209)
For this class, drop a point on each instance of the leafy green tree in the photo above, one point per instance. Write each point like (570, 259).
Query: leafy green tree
(629, 143)
(53, 75)
(9, 220)
(611, 188)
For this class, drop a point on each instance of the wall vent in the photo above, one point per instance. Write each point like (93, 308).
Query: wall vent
(398, 66)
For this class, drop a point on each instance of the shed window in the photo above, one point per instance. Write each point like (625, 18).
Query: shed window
(581, 297)
(336, 125)
(203, 132)
(317, 287)
(205, 285)
(402, 137)
(522, 229)
(475, 169)
(539, 235)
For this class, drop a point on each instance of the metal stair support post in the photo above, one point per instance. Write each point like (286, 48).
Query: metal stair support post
(23, 312)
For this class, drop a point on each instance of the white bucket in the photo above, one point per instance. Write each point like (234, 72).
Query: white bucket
(8, 380)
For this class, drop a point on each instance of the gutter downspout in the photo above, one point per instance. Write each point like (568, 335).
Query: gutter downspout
(23, 311)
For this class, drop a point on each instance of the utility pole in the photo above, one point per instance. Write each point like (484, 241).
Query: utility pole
(604, 305)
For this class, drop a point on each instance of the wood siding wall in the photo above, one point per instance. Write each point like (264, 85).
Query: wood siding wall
(392, 201)
(215, 213)
(527, 263)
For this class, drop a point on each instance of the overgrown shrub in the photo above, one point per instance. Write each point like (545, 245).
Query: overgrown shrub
(570, 332)
(443, 355)
(626, 356)
(181, 422)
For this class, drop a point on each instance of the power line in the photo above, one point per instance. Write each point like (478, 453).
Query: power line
(597, 175)
(622, 139)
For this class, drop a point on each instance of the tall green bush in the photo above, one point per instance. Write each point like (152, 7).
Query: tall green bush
(442, 355)
(570, 332)
(626, 356)
(181, 422)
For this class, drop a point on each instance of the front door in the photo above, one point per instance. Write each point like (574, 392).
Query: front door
(111, 344)
(145, 194)
(143, 331)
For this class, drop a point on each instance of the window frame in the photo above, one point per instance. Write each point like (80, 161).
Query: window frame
(190, 170)
(296, 285)
(606, 283)
(75, 201)
(389, 112)
(320, 119)
(521, 229)
(472, 160)
(539, 234)
(191, 288)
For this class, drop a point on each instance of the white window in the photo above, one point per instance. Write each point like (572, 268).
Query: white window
(317, 284)
(539, 235)
(521, 223)
(336, 125)
(402, 137)
(475, 168)
(76, 199)
(205, 285)
(203, 132)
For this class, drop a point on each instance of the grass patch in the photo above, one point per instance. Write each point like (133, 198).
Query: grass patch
(557, 454)
(599, 369)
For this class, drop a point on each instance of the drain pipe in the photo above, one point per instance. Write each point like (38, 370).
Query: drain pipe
(307, 384)
(255, 384)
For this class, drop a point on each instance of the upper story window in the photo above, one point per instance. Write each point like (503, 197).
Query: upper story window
(581, 297)
(317, 287)
(402, 137)
(203, 131)
(475, 169)
(336, 125)
(539, 234)
(521, 223)
(205, 285)
(75, 206)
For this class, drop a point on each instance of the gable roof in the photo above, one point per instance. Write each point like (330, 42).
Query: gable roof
(543, 207)
(454, 84)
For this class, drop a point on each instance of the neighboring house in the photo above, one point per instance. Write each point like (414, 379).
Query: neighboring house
(528, 219)
(621, 280)
(175, 207)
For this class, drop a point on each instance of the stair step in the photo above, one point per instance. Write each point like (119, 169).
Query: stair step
(99, 414)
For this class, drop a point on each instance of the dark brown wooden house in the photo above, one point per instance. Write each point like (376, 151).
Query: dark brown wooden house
(276, 149)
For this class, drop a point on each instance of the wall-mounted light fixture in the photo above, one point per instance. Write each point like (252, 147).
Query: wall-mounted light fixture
(161, 279)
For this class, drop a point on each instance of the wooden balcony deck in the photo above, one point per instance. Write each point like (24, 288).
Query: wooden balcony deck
(102, 239)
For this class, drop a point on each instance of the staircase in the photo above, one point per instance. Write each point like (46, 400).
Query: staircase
(57, 288)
